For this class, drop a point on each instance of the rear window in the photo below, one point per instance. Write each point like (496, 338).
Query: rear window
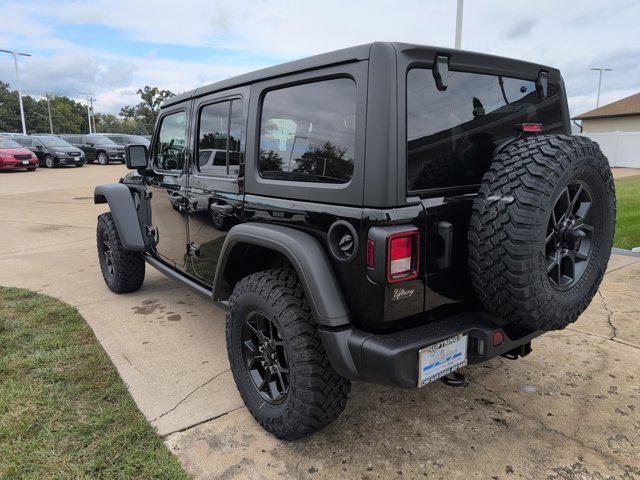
(451, 134)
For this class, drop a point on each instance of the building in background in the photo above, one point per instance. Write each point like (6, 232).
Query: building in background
(620, 116)
(616, 127)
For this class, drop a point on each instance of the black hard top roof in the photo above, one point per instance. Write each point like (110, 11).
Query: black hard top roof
(345, 55)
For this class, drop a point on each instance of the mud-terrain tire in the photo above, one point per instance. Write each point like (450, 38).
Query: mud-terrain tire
(316, 394)
(541, 230)
(122, 270)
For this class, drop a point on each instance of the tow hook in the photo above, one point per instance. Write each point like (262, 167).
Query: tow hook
(455, 379)
(521, 351)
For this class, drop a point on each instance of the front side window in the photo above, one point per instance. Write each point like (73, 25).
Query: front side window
(219, 138)
(171, 142)
(307, 132)
(452, 134)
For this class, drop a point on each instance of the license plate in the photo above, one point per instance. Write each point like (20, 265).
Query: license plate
(442, 358)
(25, 162)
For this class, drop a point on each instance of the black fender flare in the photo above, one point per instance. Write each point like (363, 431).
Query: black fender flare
(125, 216)
(307, 257)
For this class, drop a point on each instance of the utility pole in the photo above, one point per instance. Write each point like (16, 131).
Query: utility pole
(15, 61)
(49, 109)
(459, 24)
(600, 69)
(90, 100)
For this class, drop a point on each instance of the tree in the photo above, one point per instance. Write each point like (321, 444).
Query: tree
(145, 112)
(326, 160)
(68, 116)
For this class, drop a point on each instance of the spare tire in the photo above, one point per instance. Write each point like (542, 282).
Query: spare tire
(541, 230)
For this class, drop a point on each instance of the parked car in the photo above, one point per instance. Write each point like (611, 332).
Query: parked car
(96, 147)
(126, 139)
(15, 156)
(52, 151)
(401, 211)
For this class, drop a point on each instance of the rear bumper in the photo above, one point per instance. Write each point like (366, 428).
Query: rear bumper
(392, 359)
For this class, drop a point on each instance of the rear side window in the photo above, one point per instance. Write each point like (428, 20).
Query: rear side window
(219, 138)
(171, 142)
(452, 134)
(307, 132)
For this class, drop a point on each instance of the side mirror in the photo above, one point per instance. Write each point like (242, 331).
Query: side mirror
(39, 147)
(135, 156)
(89, 144)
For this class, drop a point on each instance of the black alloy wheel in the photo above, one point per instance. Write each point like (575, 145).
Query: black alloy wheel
(265, 358)
(569, 235)
(107, 253)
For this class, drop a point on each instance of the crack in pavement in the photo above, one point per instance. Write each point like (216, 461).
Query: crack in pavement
(609, 339)
(614, 330)
(621, 267)
(208, 419)
(46, 224)
(184, 399)
(625, 468)
(3, 254)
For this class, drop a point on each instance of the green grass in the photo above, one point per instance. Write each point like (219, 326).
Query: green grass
(628, 221)
(64, 411)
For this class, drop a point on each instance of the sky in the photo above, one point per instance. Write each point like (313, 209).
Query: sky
(113, 47)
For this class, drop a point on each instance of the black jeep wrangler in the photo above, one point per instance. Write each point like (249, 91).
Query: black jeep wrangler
(386, 213)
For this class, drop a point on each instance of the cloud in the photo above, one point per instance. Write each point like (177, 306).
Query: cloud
(180, 45)
(521, 29)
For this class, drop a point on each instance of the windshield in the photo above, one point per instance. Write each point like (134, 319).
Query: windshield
(138, 139)
(53, 142)
(7, 143)
(100, 140)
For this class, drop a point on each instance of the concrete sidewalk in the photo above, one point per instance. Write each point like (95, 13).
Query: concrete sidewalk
(569, 410)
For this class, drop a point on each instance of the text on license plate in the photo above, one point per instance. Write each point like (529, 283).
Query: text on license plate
(442, 358)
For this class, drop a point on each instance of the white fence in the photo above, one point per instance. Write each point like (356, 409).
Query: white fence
(621, 148)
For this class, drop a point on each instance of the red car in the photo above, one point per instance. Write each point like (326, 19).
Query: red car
(13, 155)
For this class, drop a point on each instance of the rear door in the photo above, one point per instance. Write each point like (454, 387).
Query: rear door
(215, 196)
(452, 135)
(168, 184)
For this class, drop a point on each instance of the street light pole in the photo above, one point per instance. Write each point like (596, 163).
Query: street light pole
(89, 106)
(600, 69)
(49, 110)
(459, 24)
(15, 61)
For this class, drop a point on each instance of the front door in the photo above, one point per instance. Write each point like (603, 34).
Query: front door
(215, 196)
(168, 186)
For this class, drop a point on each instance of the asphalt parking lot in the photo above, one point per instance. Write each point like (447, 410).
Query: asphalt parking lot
(569, 410)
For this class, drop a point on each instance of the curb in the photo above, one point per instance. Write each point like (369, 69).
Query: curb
(622, 251)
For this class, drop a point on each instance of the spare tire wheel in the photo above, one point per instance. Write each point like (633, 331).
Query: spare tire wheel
(541, 230)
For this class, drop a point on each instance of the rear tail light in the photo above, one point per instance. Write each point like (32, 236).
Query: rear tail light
(531, 127)
(403, 255)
